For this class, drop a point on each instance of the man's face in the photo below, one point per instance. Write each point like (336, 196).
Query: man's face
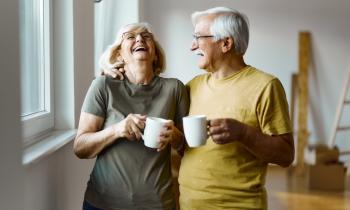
(204, 46)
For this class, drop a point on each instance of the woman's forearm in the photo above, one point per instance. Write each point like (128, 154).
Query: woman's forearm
(90, 144)
(178, 139)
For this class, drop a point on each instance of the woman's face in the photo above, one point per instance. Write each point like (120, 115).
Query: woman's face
(137, 45)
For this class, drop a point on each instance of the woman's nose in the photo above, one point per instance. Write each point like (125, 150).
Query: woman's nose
(139, 38)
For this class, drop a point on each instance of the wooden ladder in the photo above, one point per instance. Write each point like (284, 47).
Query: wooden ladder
(343, 101)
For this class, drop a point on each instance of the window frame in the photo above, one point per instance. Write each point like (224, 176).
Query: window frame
(38, 125)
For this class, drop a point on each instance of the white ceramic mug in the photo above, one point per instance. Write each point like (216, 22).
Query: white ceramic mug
(195, 129)
(154, 126)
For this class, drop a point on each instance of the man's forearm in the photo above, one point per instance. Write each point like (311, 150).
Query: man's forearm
(277, 149)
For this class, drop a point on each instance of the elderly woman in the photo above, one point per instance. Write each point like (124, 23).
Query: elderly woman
(127, 174)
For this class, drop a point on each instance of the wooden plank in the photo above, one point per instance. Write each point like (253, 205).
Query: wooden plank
(343, 101)
(343, 128)
(293, 110)
(303, 99)
(294, 93)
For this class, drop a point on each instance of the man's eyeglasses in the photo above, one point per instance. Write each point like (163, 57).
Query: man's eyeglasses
(197, 37)
(131, 36)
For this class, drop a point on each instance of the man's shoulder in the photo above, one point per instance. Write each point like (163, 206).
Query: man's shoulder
(260, 75)
(265, 81)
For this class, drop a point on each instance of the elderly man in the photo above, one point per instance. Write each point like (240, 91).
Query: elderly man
(249, 124)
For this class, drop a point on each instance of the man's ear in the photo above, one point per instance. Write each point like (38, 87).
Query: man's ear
(227, 44)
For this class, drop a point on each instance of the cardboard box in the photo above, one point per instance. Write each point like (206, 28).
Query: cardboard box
(327, 176)
(321, 154)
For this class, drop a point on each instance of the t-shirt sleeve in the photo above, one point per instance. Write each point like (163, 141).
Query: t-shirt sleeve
(182, 103)
(272, 110)
(95, 101)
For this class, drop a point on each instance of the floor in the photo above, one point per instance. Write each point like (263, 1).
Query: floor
(288, 192)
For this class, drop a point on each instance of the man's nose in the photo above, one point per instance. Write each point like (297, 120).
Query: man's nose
(194, 45)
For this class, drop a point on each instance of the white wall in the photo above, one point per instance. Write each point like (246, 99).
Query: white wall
(274, 26)
(58, 181)
(110, 15)
(11, 172)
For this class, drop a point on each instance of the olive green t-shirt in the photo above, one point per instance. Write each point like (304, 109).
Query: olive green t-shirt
(127, 174)
(229, 176)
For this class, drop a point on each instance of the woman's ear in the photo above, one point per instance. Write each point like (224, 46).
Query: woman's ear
(119, 62)
(114, 55)
(120, 58)
(227, 44)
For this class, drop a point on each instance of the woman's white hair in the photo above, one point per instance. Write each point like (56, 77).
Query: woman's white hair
(110, 58)
(228, 23)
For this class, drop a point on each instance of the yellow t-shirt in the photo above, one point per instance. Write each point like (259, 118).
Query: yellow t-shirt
(229, 176)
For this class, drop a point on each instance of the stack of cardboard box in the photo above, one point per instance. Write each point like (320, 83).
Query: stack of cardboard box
(325, 171)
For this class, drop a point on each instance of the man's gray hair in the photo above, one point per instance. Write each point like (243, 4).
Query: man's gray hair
(228, 23)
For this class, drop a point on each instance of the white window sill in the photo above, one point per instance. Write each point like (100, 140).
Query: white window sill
(47, 146)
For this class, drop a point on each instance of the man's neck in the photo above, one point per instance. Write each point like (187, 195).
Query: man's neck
(231, 66)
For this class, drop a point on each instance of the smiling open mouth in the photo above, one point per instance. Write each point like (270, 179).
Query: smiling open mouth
(140, 49)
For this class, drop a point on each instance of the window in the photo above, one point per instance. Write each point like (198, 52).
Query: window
(54, 73)
(36, 80)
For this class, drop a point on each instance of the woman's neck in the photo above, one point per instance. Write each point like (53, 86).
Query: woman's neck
(140, 73)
